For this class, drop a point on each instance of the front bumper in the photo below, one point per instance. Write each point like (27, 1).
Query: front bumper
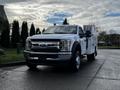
(47, 58)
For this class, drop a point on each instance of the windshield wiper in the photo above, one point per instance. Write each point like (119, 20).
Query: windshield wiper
(47, 33)
(60, 33)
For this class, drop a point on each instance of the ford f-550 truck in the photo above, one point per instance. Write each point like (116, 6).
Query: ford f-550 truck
(64, 44)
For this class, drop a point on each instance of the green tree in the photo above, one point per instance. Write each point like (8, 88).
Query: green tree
(38, 31)
(65, 22)
(5, 36)
(32, 30)
(24, 32)
(115, 39)
(15, 37)
(102, 36)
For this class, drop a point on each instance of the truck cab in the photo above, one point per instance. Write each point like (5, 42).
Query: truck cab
(64, 44)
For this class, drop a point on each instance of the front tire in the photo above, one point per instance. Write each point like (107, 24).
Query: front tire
(76, 61)
(31, 66)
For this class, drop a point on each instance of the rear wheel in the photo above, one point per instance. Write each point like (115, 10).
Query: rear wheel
(95, 52)
(91, 57)
(76, 61)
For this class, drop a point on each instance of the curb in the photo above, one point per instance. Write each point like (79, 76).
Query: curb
(12, 64)
(109, 48)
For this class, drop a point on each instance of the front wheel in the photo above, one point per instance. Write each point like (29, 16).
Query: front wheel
(76, 61)
(31, 66)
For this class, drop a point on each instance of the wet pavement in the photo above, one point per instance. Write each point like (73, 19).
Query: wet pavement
(102, 74)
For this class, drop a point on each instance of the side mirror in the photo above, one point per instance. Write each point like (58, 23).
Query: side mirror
(82, 35)
(88, 34)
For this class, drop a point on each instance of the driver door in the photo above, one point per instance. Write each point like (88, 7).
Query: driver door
(82, 40)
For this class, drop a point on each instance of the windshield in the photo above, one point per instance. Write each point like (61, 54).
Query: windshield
(61, 30)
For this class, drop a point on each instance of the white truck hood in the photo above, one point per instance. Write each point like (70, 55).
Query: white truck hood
(55, 36)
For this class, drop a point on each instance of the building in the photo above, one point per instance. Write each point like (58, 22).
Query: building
(3, 19)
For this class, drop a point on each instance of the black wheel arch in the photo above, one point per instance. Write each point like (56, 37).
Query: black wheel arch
(76, 46)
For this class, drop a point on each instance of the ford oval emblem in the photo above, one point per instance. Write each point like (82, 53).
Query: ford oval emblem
(43, 45)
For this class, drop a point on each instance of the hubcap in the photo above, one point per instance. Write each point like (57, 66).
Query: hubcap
(77, 61)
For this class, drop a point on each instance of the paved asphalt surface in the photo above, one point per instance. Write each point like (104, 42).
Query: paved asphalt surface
(102, 74)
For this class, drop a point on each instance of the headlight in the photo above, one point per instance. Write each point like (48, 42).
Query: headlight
(28, 44)
(65, 45)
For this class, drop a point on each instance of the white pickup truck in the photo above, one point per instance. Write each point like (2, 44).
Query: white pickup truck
(65, 44)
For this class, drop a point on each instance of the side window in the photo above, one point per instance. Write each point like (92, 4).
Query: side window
(81, 31)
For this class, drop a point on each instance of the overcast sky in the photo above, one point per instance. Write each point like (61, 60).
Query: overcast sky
(103, 13)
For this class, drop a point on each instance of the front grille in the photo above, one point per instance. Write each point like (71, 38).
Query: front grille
(45, 45)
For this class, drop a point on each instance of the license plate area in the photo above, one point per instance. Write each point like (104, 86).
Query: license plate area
(41, 56)
(34, 58)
